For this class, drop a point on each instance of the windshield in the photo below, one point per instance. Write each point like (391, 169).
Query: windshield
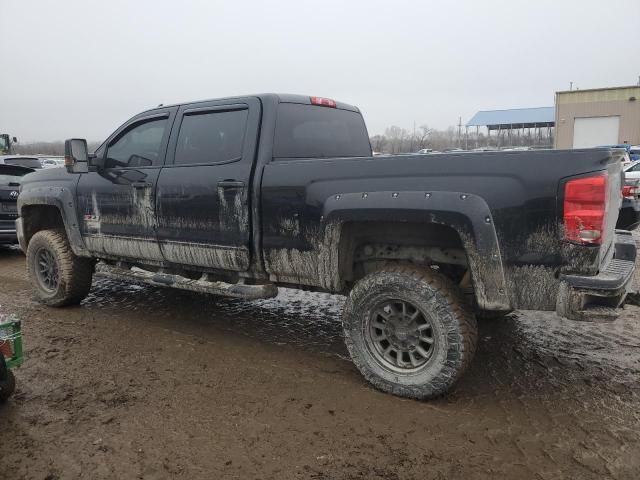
(23, 162)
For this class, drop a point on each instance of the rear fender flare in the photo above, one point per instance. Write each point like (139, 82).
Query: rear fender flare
(468, 214)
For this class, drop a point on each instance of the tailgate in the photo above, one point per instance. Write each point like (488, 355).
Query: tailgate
(616, 180)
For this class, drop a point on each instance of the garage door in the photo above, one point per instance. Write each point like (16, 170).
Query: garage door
(594, 131)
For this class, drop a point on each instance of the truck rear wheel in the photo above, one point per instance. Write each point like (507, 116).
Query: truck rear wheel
(58, 277)
(409, 331)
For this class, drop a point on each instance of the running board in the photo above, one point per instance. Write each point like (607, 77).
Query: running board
(203, 285)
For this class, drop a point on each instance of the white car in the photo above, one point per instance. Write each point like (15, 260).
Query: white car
(626, 161)
(52, 162)
(632, 171)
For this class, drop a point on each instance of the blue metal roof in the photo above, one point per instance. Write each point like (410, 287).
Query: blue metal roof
(514, 116)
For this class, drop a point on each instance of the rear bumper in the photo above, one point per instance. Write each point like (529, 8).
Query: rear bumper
(597, 297)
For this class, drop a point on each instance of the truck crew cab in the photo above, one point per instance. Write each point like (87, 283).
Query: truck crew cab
(238, 196)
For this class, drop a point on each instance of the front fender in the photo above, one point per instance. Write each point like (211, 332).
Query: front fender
(467, 214)
(57, 196)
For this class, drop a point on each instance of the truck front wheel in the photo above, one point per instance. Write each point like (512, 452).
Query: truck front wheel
(58, 277)
(409, 331)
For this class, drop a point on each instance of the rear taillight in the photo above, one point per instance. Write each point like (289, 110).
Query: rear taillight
(585, 207)
(323, 102)
(629, 192)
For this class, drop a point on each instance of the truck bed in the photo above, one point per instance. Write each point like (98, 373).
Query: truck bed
(519, 193)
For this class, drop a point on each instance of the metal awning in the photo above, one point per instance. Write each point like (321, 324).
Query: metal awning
(514, 118)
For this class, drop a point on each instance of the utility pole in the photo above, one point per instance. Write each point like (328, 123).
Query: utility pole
(414, 135)
(570, 86)
(459, 132)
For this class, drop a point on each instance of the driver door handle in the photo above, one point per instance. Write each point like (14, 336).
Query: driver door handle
(139, 185)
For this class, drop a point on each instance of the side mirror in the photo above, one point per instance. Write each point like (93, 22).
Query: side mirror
(15, 140)
(76, 156)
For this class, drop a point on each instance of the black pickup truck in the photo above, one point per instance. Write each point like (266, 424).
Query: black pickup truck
(238, 196)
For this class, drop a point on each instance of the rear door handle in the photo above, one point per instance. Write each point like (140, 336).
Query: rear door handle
(140, 185)
(230, 184)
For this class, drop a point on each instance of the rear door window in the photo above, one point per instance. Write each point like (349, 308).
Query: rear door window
(310, 131)
(211, 137)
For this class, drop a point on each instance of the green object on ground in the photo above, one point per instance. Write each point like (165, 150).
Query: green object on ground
(11, 341)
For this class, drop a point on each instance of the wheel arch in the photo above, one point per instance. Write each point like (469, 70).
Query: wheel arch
(46, 208)
(446, 220)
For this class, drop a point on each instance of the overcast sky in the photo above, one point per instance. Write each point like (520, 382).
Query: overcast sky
(79, 68)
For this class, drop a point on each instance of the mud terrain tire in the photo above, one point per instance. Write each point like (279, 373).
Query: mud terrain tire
(73, 274)
(436, 301)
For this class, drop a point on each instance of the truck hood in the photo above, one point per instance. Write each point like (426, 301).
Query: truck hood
(46, 185)
(50, 175)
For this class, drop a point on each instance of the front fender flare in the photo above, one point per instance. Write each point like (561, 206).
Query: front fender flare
(63, 199)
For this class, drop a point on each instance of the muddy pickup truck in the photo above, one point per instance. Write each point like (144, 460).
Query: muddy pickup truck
(239, 196)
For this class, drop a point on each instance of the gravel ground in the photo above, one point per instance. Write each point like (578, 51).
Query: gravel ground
(142, 382)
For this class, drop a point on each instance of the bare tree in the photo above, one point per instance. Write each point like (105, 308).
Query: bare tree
(396, 137)
(48, 148)
(378, 143)
(422, 137)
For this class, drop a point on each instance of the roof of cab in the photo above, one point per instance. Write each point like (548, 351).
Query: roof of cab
(278, 97)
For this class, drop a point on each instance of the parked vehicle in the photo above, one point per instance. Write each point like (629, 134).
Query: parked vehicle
(238, 196)
(632, 171)
(629, 217)
(51, 162)
(20, 160)
(10, 178)
(626, 161)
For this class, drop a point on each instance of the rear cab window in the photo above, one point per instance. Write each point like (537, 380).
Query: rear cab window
(311, 131)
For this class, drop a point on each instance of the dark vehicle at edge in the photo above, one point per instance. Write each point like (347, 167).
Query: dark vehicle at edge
(238, 196)
(10, 178)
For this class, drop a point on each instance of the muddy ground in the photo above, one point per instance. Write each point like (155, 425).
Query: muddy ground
(142, 382)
